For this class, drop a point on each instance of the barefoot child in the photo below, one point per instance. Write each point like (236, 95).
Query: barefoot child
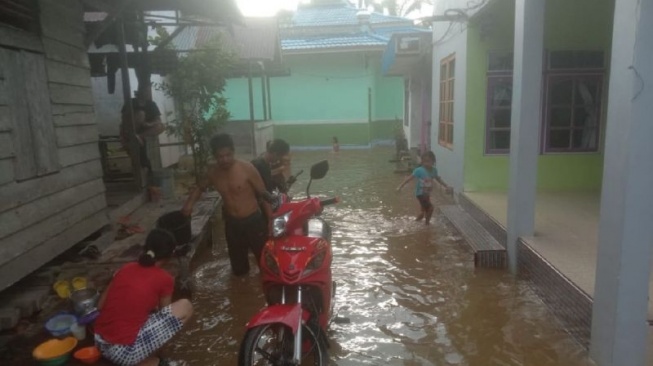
(425, 174)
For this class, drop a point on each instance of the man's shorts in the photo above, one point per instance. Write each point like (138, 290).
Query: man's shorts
(159, 328)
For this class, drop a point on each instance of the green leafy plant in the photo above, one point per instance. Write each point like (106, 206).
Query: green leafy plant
(196, 86)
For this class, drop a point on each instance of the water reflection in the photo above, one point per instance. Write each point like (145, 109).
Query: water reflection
(411, 291)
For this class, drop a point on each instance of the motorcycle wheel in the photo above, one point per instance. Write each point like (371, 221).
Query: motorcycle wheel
(272, 344)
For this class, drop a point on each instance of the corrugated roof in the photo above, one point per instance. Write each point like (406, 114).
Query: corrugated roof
(256, 39)
(333, 42)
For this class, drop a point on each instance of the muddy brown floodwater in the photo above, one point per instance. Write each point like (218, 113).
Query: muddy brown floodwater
(411, 291)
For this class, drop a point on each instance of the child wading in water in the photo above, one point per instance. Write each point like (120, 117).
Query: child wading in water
(336, 144)
(425, 174)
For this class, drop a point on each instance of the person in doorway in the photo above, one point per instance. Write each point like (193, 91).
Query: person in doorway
(425, 174)
(336, 144)
(137, 316)
(147, 123)
(245, 203)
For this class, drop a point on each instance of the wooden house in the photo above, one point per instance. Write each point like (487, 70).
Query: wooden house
(51, 188)
(52, 192)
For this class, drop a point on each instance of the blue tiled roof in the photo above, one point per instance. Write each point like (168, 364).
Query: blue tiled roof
(337, 15)
(352, 41)
(337, 26)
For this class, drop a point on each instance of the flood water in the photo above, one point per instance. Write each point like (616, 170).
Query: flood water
(410, 290)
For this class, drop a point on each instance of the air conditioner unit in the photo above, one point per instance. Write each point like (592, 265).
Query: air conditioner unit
(407, 45)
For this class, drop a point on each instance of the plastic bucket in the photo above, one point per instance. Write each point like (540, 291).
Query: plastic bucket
(176, 223)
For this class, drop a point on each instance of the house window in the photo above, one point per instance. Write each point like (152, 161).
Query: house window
(499, 110)
(571, 106)
(499, 102)
(447, 75)
(572, 115)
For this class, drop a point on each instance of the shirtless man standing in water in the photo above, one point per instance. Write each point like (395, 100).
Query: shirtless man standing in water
(243, 195)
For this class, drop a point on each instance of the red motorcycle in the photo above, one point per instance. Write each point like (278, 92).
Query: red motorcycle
(296, 274)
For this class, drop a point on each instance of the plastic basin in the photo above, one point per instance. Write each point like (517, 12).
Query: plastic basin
(59, 325)
(87, 355)
(54, 351)
(61, 360)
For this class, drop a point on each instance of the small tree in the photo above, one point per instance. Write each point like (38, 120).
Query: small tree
(197, 85)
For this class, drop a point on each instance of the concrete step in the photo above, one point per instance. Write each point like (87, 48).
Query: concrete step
(488, 252)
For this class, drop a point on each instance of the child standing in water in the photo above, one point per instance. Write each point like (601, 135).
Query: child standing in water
(426, 173)
(336, 145)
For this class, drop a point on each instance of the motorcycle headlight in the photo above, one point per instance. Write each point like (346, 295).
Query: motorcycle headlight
(279, 225)
(271, 263)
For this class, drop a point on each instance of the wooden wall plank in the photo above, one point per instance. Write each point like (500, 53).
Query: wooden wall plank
(24, 240)
(78, 154)
(15, 92)
(15, 194)
(18, 268)
(70, 11)
(6, 171)
(33, 212)
(19, 39)
(6, 145)
(40, 113)
(76, 135)
(75, 119)
(5, 118)
(58, 51)
(68, 74)
(62, 23)
(67, 94)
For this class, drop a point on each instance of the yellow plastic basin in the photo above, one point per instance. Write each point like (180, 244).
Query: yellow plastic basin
(54, 348)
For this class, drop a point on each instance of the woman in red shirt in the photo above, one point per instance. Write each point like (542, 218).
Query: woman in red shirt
(136, 314)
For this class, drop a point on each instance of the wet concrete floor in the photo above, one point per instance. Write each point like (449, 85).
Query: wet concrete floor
(411, 291)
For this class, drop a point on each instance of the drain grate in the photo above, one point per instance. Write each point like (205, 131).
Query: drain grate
(487, 250)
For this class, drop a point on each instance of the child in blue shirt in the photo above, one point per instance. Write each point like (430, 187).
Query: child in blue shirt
(426, 173)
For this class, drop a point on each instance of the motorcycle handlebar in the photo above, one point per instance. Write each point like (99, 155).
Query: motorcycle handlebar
(329, 201)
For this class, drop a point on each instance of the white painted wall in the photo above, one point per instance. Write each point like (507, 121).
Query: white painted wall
(451, 37)
(414, 127)
(450, 163)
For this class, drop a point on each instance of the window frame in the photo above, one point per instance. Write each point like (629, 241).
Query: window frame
(491, 77)
(574, 75)
(550, 73)
(446, 106)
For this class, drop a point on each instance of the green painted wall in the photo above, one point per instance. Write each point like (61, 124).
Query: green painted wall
(579, 24)
(323, 87)
(388, 103)
(237, 94)
(326, 95)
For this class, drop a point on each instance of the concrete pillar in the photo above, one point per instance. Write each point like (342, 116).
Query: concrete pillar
(619, 326)
(525, 123)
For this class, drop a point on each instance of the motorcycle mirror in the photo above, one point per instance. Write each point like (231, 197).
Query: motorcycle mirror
(319, 170)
